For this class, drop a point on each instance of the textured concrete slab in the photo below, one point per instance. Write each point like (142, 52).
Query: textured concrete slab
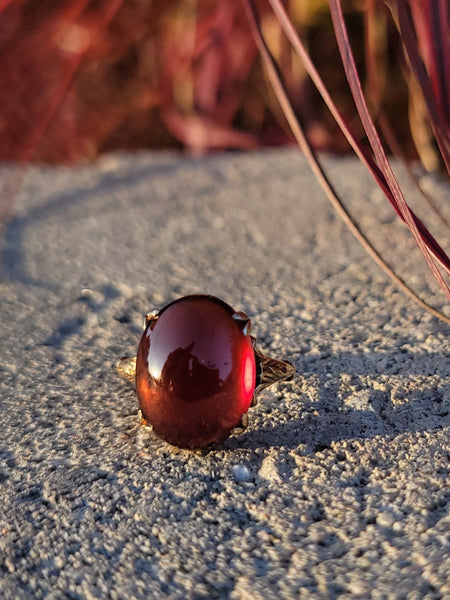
(338, 488)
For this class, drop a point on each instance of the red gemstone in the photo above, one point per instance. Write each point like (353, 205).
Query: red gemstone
(195, 371)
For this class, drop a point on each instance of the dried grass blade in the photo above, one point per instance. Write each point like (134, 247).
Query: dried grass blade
(441, 129)
(430, 19)
(371, 165)
(423, 238)
(367, 160)
(375, 83)
(306, 148)
(396, 150)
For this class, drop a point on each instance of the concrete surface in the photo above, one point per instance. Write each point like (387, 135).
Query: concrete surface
(339, 487)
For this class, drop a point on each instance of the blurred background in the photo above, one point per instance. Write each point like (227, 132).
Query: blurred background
(82, 77)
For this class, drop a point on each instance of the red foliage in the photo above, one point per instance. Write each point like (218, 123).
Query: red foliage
(81, 77)
(42, 49)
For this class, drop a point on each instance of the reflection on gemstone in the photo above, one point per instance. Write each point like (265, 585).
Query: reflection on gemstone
(195, 372)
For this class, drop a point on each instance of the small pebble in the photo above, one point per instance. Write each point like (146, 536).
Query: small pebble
(240, 473)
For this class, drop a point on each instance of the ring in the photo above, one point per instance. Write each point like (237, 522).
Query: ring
(198, 371)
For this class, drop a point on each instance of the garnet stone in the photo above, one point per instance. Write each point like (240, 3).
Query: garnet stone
(195, 371)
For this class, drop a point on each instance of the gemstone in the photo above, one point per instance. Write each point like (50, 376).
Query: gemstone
(195, 371)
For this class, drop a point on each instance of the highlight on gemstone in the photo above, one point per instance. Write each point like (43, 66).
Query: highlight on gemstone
(196, 371)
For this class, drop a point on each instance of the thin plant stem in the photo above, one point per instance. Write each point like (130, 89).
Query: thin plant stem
(373, 168)
(374, 140)
(437, 119)
(306, 148)
(375, 84)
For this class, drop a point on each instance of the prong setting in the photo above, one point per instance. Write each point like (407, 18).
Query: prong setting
(126, 367)
(171, 370)
(151, 317)
(244, 322)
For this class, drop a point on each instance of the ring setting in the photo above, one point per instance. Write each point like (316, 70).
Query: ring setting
(198, 370)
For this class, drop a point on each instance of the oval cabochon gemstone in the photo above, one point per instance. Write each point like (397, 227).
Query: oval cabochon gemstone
(195, 371)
